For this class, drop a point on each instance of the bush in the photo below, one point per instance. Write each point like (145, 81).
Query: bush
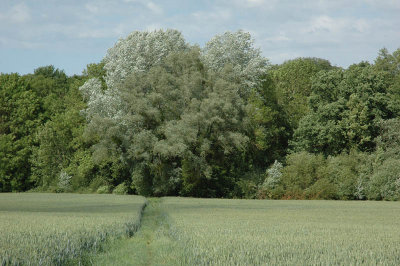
(385, 181)
(121, 189)
(103, 190)
(272, 186)
(302, 171)
(389, 137)
(96, 183)
(64, 182)
(274, 175)
(322, 189)
(350, 174)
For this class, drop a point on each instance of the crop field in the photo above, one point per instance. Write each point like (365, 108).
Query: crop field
(48, 229)
(66, 228)
(248, 232)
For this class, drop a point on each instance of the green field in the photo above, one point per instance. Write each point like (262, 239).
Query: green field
(187, 231)
(248, 232)
(61, 228)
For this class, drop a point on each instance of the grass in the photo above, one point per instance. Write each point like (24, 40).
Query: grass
(55, 229)
(151, 245)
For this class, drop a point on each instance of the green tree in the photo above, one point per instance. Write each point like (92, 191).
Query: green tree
(150, 100)
(178, 118)
(293, 81)
(20, 116)
(345, 109)
(268, 123)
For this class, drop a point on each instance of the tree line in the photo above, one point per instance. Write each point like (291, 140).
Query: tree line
(159, 116)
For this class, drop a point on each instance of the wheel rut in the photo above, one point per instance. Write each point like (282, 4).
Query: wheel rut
(150, 245)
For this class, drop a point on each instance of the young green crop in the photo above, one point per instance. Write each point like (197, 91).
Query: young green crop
(61, 228)
(55, 229)
(248, 232)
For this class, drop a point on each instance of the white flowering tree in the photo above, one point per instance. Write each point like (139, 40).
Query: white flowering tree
(136, 53)
(101, 103)
(173, 115)
(139, 52)
(237, 50)
(274, 175)
(106, 111)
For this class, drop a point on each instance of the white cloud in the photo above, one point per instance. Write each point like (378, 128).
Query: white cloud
(94, 33)
(384, 3)
(264, 4)
(92, 8)
(255, 2)
(283, 29)
(215, 15)
(154, 8)
(19, 13)
(333, 29)
(326, 23)
(361, 25)
(150, 5)
(281, 37)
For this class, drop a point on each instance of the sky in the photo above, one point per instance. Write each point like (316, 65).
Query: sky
(70, 34)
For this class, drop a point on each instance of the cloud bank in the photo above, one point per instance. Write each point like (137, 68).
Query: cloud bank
(71, 34)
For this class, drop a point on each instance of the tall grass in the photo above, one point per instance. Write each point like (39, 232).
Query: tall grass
(56, 229)
(246, 232)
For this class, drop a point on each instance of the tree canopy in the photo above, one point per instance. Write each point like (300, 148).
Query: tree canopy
(158, 116)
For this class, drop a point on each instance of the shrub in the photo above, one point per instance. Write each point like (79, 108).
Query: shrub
(64, 182)
(121, 189)
(350, 174)
(272, 186)
(302, 171)
(96, 183)
(103, 190)
(322, 189)
(385, 181)
(274, 175)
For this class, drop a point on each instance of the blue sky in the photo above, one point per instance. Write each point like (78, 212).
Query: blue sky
(70, 34)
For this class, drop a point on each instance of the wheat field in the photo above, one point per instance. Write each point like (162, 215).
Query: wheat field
(55, 229)
(249, 232)
(59, 229)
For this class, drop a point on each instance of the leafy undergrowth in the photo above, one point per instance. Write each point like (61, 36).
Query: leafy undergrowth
(59, 229)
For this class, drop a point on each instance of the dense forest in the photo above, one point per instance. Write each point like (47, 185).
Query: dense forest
(159, 116)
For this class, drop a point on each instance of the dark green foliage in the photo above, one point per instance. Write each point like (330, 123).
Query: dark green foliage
(350, 174)
(385, 181)
(388, 140)
(345, 108)
(269, 122)
(293, 81)
(302, 172)
(20, 116)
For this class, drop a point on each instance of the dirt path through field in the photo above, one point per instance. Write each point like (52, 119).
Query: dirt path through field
(151, 245)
